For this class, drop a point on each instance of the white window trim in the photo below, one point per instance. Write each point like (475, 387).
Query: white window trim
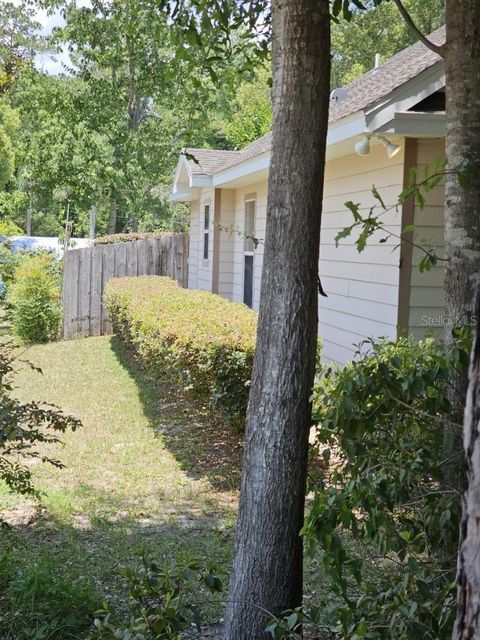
(206, 231)
(248, 253)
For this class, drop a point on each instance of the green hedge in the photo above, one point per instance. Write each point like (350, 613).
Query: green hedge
(35, 298)
(130, 237)
(194, 336)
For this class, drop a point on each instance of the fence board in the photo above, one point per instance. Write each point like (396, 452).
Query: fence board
(86, 272)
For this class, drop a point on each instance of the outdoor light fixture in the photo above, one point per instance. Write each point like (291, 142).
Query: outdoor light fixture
(362, 147)
(392, 149)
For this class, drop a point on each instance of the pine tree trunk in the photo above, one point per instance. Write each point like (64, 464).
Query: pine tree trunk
(467, 626)
(268, 559)
(462, 196)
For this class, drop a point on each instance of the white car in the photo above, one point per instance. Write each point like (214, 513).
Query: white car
(38, 243)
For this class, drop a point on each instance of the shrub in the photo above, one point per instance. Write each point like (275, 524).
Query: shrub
(163, 599)
(130, 237)
(9, 228)
(35, 299)
(384, 516)
(9, 262)
(194, 336)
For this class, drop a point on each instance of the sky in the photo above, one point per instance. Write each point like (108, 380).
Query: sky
(50, 63)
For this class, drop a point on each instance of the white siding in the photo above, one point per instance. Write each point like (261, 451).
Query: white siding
(226, 243)
(427, 299)
(362, 288)
(204, 267)
(193, 245)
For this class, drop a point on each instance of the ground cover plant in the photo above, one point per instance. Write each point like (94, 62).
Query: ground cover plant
(194, 336)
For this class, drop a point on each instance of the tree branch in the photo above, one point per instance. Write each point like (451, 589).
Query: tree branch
(438, 49)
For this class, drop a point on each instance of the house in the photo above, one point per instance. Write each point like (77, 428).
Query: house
(379, 292)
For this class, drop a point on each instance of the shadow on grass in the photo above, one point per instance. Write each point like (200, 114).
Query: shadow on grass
(54, 573)
(202, 444)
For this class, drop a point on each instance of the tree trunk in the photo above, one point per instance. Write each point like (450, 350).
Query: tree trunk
(112, 218)
(267, 570)
(467, 626)
(462, 195)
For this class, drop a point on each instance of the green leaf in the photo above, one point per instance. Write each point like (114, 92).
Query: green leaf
(378, 197)
(354, 207)
(344, 233)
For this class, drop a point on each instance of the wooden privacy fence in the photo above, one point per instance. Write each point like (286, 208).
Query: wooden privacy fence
(86, 272)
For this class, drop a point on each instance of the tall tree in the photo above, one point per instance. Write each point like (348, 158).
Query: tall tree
(267, 569)
(467, 625)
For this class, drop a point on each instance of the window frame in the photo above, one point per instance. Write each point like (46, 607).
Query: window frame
(206, 231)
(249, 252)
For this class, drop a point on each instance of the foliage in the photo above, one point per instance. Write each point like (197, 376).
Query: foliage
(201, 338)
(379, 29)
(129, 237)
(9, 228)
(23, 427)
(251, 111)
(35, 298)
(161, 599)
(373, 223)
(9, 262)
(383, 514)
(38, 603)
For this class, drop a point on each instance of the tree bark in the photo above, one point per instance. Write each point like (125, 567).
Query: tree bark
(462, 188)
(467, 626)
(267, 570)
(112, 218)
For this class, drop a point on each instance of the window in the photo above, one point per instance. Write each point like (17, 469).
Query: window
(249, 226)
(249, 249)
(206, 231)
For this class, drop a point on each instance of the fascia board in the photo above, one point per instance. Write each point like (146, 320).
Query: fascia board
(416, 124)
(406, 96)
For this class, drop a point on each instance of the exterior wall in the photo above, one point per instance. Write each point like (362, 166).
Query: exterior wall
(427, 298)
(193, 245)
(204, 267)
(362, 288)
(259, 190)
(226, 241)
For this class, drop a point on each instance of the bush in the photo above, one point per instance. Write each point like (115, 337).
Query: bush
(384, 516)
(35, 298)
(9, 228)
(194, 336)
(163, 601)
(9, 262)
(130, 237)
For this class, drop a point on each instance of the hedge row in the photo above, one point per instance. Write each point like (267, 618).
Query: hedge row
(129, 237)
(193, 336)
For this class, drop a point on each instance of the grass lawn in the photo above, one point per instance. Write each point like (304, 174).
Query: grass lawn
(148, 467)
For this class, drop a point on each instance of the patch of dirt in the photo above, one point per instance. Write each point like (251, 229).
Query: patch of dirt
(23, 516)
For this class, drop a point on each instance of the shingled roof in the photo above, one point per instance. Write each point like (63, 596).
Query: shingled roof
(361, 93)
